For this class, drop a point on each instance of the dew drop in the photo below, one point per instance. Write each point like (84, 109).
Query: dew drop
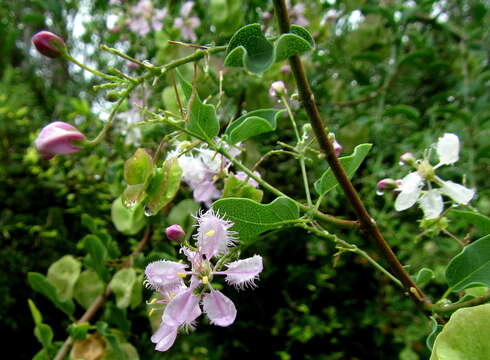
(379, 192)
(129, 203)
(148, 211)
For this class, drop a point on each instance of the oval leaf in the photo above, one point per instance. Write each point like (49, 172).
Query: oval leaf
(63, 274)
(289, 45)
(350, 163)
(465, 336)
(41, 284)
(471, 267)
(87, 288)
(163, 186)
(252, 124)
(122, 285)
(251, 218)
(128, 221)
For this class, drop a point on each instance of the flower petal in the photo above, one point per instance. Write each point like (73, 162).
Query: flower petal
(219, 308)
(164, 337)
(457, 192)
(448, 149)
(182, 309)
(242, 273)
(409, 191)
(164, 274)
(213, 236)
(431, 204)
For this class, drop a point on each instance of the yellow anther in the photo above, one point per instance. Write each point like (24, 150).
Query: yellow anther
(210, 233)
(151, 312)
(152, 301)
(181, 274)
(205, 280)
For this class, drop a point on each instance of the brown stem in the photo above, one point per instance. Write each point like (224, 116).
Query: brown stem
(368, 225)
(102, 298)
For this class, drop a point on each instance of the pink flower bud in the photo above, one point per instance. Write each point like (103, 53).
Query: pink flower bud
(56, 138)
(277, 89)
(407, 159)
(266, 16)
(175, 233)
(337, 147)
(386, 184)
(286, 69)
(49, 44)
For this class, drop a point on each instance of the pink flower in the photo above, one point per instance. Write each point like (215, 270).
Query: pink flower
(49, 44)
(186, 23)
(277, 89)
(56, 138)
(240, 175)
(183, 302)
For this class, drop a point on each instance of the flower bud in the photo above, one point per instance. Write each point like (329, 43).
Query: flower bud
(286, 69)
(407, 159)
(336, 146)
(175, 233)
(49, 44)
(56, 138)
(277, 89)
(387, 184)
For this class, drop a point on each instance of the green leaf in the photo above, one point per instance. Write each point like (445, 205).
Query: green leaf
(41, 284)
(97, 254)
(350, 163)
(137, 293)
(133, 195)
(87, 288)
(122, 285)
(436, 329)
(298, 41)
(251, 218)
(252, 124)
(182, 213)
(127, 221)
(407, 110)
(480, 221)
(44, 334)
(63, 274)
(202, 119)
(36, 314)
(163, 186)
(471, 267)
(79, 331)
(238, 189)
(465, 336)
(115, 345)
(424, 276)
(249, 48)
(138, 168)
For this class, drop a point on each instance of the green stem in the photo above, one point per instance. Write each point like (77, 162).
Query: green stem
(299, 146)
(95, 72)
(449, 309)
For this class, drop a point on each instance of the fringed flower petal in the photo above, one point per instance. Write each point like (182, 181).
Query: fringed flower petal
(164, 274)
(242, 273)
(164, 337)
(183, 309)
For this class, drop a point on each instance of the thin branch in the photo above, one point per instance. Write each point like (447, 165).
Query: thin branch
(368, 225)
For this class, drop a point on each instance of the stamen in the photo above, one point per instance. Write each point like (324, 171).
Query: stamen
(210, 233)
(181, 275)
(205, 279)
(151, 312)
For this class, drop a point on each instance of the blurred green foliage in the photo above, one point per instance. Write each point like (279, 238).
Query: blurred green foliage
(397, 74)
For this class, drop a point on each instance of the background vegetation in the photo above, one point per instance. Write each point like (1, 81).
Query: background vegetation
(397, 74)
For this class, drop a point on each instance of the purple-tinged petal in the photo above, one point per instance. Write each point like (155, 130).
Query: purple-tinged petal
(219, 308)
(186, 8)
(240, 175)
(164, 337)
(205, 192)
(56, 137)
(175, 233)
(182, 309)
(213, 236)
(164, 274)
(242, 273)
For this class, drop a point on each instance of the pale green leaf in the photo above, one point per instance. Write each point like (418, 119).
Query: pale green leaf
(128, 221)
(96, 255)
(87, 288)
(41, 284)
(36, 314)
(138, 168)
(235, 188)
(465, 336)
(63, 274)
(436, 329)
(163, 186)
(122, 286)
(289, 45)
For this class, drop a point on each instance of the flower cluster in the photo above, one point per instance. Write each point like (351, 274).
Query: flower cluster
(187, 23)
(410, 188)
(144, 17)
(183, 301)
(201, 168)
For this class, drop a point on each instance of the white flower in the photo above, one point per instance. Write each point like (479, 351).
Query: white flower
(411, 188)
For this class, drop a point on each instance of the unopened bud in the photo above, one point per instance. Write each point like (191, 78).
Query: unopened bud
(277, 89)
(49, 44)
(56, 138)
(336, 146)
(175, 233)
(286, 69)
(113, 96)
(387, 184)
(407, 159)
